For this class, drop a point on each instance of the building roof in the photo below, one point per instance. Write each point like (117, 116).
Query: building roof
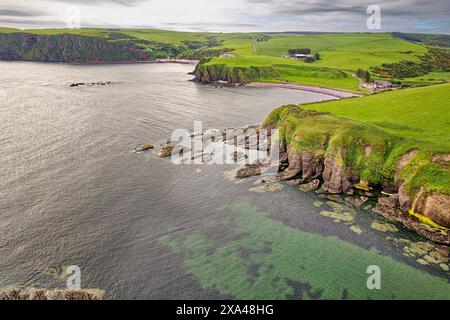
(301, 55)
(384, 83)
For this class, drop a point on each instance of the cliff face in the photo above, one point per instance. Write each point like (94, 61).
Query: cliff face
(221, 72)
(67, 48)
(347, 156)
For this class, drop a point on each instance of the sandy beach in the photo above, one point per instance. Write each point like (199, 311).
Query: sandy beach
(331, 92)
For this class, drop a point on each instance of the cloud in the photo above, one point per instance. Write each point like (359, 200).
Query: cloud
(350, 15)
(20, 13)
(234, 15)
(411, 8)
(31, 23)
(128, 3)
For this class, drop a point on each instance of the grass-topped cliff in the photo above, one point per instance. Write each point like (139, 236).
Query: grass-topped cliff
(103, 45)
(371, 135)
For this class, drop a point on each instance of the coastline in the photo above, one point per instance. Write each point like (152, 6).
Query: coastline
(192, 62)
(338, 94)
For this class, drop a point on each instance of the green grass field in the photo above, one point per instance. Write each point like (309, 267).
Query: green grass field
(339, 52)
(346, 51)
(160, 36)
(163, 36)
(317, 76)
(391, 123)
(420, 114)
(429, 79)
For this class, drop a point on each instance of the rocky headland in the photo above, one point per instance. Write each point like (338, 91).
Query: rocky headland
(228, 76)
(343, 161)
(343, 157)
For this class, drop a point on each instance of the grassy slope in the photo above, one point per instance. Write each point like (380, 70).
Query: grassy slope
(164, 36)
(428, 79)
(347, 51)
(421, 114)
(392, 123)
(341, 55)
(8, 30)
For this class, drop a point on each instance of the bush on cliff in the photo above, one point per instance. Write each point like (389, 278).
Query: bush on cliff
(199, 54)
(216, 72)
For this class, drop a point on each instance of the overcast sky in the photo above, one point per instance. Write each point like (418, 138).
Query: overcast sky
(430, 16)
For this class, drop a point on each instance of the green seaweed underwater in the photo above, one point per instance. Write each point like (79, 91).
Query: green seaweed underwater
(266, 259)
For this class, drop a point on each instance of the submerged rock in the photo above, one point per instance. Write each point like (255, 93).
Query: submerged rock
(268, 187)
(318, 203)
(338, 216)
(420, 248)
(384, 227)
(313, 185)
(356, 229)
(231, 177)
(422, 262)
(335, 198)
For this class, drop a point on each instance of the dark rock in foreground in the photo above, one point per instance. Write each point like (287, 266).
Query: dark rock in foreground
(46, 294)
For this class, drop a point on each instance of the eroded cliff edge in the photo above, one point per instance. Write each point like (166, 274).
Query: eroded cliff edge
(68, 48)
(210, 73)
(345, 155)
(99, 46)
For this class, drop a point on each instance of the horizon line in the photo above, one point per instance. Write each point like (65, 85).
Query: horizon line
(220, 32)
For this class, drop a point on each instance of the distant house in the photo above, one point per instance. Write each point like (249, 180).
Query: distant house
(228, 55)
(378, 85)
(383, 84)
(301, 56)
(298, 56)
(370, 86)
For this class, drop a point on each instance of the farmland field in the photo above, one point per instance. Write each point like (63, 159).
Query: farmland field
(343, 52)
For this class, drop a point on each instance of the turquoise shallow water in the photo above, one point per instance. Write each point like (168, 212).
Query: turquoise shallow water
(73, 193)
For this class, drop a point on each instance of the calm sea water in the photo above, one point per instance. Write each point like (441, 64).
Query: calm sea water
(72, 192)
